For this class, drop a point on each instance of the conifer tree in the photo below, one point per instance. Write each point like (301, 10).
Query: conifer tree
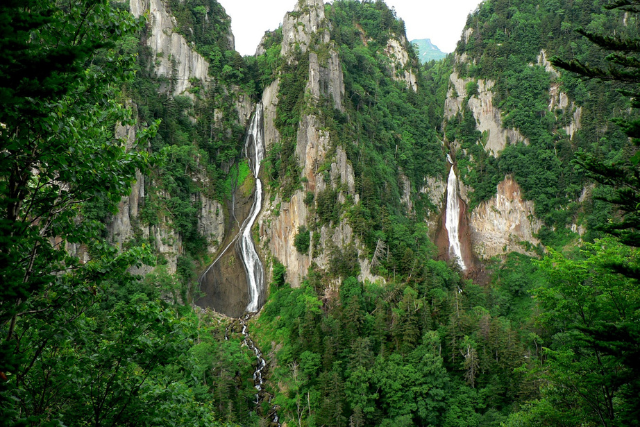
(616, 339)
(622, 68)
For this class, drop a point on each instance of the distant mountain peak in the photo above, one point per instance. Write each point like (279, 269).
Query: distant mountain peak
(427, 50)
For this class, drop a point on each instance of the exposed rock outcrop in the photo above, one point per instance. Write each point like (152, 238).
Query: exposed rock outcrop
(311, 149)
(326, 80)
(405, 187)
(280, 220)
(299, 26)
(244, 106)
(548, 67)
(559, 99)
(126, 225)
(499, 225)
(488, 117)
(435, 189)
(269, 105)
(211, 222)
(399, 62)
(278, 229)
(174, 58)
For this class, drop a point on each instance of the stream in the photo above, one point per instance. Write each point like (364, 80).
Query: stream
(258, 380)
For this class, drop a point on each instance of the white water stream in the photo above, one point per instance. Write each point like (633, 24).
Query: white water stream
(254, 147)
(257, 374)
(255, 150)
(452, 218)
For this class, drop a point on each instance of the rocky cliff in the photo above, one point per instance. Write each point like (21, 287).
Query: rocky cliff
(281, 219)
(178, 67)
(504, 224)
(330, 157)
(507, 221)
(487, 116)
(399, 62)
(174, 58)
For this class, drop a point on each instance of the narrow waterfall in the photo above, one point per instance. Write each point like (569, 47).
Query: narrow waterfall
(254, 147)
(452, 217)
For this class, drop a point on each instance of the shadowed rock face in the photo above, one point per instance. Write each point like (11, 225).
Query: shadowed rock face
(224, 285)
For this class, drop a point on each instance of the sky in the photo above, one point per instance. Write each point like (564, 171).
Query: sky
(442, 21)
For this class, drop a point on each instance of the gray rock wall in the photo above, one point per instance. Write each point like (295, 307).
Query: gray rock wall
(299, 27)
(174, 57)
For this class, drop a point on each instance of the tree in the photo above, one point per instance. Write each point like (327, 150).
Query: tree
(593, 313)
(617, 338)
(623, 68)
(61, 75)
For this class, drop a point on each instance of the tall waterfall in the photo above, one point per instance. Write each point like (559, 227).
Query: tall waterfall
(254, 147)
(452, 218)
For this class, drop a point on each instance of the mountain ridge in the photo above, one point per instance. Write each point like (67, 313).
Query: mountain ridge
(427, 51)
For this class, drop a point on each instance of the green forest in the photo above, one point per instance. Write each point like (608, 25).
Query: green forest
(95, 331)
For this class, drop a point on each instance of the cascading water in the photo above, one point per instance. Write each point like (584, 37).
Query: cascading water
(452, 217)
(255, 151)
(257, 374)
(254, 147)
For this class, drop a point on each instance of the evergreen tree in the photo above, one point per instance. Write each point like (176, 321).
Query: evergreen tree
(623, 68)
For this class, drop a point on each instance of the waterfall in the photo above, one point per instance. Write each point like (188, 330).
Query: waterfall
(255, 151)
(254, 147)
(452, 217)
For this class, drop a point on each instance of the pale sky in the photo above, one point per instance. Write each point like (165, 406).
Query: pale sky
(442, 21)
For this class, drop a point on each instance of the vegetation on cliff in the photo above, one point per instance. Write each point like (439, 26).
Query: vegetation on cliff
(505, 43)
(543, 342)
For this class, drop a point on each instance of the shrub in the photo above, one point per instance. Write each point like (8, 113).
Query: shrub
(303, 240)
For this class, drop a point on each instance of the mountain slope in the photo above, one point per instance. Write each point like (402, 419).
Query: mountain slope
(427, 51)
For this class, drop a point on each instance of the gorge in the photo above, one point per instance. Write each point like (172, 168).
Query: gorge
(328, 232)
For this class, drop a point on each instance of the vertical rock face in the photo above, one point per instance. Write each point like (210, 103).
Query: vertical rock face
(299, 26)
(399, 59)
(406, 192)
(126, 224)
(435, 189)
(269, 105)
(280, 219)
(500, 224)
(278, 229)
(559, 99)
(311, 149)
(488, 117)
(327, 80)
(211, 222)
(173, 56)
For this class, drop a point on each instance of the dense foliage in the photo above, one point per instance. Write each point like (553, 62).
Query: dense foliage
(432, 350)
(84, 342)
(504, 44)
(540, 342)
